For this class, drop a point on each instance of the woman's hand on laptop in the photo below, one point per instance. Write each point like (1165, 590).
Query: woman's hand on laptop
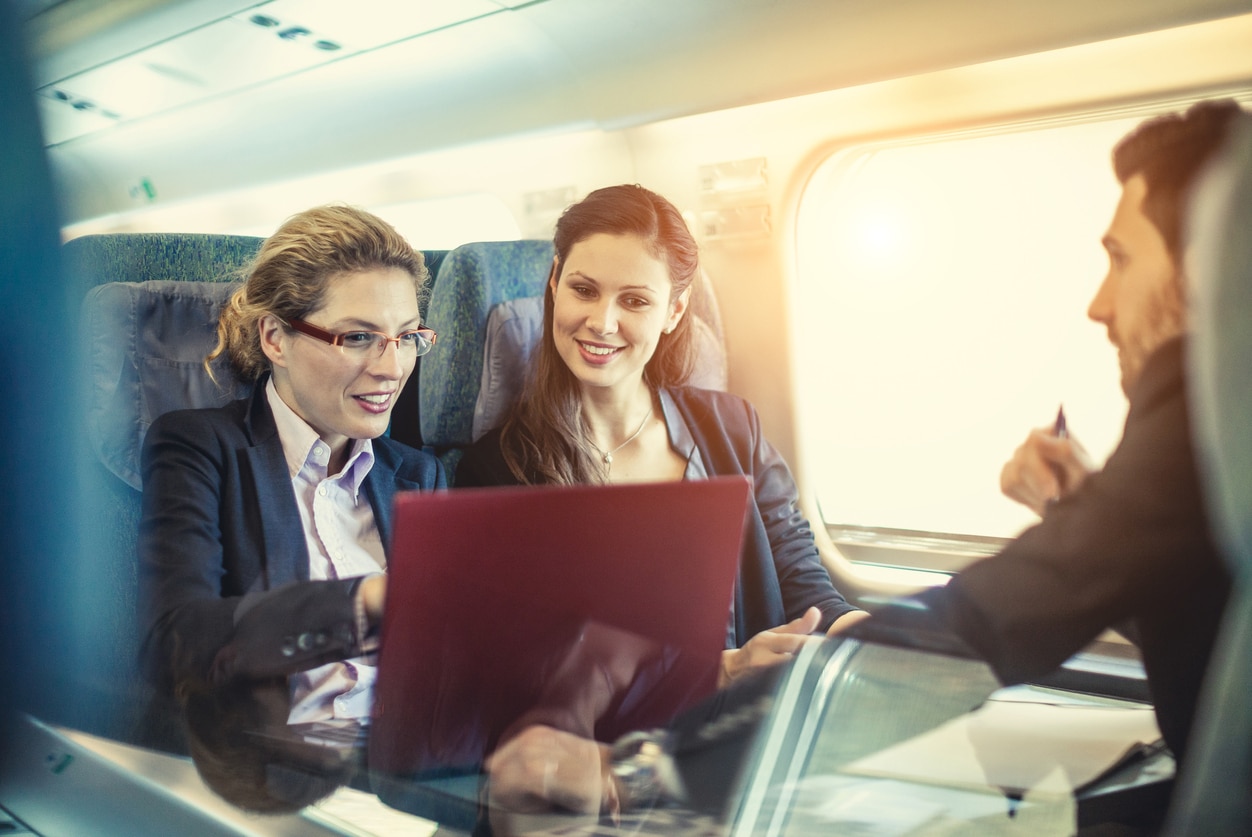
(768, 647)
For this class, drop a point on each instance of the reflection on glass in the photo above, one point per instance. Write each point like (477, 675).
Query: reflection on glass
(246, 752)
(537, 717)
(874, 739)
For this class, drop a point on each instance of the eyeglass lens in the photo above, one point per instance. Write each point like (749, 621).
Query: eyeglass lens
(372, 343)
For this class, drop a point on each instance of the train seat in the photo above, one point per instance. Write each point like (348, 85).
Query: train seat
(148, 307)
(168, 327)
(488, 300)
(1212, 797)
(472, 280)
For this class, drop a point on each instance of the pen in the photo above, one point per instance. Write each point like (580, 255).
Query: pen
(1060, 431)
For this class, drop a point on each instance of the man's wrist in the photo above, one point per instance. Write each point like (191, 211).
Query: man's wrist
(643, 771)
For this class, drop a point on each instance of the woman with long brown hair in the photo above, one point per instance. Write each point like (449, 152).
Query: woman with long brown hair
(605, 402)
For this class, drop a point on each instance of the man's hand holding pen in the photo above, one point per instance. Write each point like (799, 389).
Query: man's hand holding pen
(1049, 465)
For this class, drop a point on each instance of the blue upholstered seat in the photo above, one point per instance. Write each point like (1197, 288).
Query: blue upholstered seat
(472, 280)
(123, 329)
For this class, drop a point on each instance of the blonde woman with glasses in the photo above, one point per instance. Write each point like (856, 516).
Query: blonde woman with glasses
(266, 523)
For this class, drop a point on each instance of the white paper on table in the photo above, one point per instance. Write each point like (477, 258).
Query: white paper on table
(1018, 746)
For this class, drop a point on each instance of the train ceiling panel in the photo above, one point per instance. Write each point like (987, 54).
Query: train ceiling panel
(101, 63)
(206, 57)
(278, 85)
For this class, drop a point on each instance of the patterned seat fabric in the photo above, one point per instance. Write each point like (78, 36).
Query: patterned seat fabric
(146, 345)
(120, 705)
(472, 280)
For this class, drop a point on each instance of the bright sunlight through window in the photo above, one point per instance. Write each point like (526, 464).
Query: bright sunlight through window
(941, 314)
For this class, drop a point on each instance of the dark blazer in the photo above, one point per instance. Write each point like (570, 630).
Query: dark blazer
(780, 570)
(1132, 543)
(223, 562)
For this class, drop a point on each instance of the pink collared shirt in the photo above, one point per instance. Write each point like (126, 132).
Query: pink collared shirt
(343, 542)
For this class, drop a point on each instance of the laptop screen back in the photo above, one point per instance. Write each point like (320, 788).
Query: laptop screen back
(593, 609)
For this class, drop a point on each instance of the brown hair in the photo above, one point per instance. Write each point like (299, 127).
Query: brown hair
(290, 276)
(545, 438)
(1169, 151)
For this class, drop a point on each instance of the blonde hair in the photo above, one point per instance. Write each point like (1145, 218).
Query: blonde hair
(292, 271)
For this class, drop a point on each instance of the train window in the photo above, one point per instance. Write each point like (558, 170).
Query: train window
(943, 285)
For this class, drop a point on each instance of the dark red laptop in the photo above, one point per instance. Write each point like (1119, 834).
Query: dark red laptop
(597, 610)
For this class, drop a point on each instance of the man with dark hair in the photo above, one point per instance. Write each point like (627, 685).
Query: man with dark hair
(1129, 545)
(1168, 152)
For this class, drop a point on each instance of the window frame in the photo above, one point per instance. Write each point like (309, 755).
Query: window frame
(907, 552)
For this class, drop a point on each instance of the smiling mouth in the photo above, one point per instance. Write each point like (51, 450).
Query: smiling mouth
(599, 351)
(375, 400)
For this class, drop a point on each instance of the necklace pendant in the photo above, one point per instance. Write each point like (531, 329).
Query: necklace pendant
(608, 459)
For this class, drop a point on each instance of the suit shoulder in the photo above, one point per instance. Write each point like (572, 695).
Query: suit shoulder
(406, 458)
(199, 423)
(718, 402)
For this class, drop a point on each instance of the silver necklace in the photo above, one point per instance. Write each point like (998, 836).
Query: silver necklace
(608, 455)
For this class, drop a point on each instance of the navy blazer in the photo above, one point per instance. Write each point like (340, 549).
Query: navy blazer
(224, 567)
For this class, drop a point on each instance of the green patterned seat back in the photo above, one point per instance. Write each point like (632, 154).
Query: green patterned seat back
(472, 280)
(150, 302)
(118, 704)
(139, 257)
(190, 257)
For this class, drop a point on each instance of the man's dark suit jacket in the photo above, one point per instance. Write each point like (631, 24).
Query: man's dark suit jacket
(223, 561)
(1132, 543)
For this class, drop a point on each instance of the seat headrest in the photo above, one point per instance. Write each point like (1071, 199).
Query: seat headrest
(472, 280)
(145, 349)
